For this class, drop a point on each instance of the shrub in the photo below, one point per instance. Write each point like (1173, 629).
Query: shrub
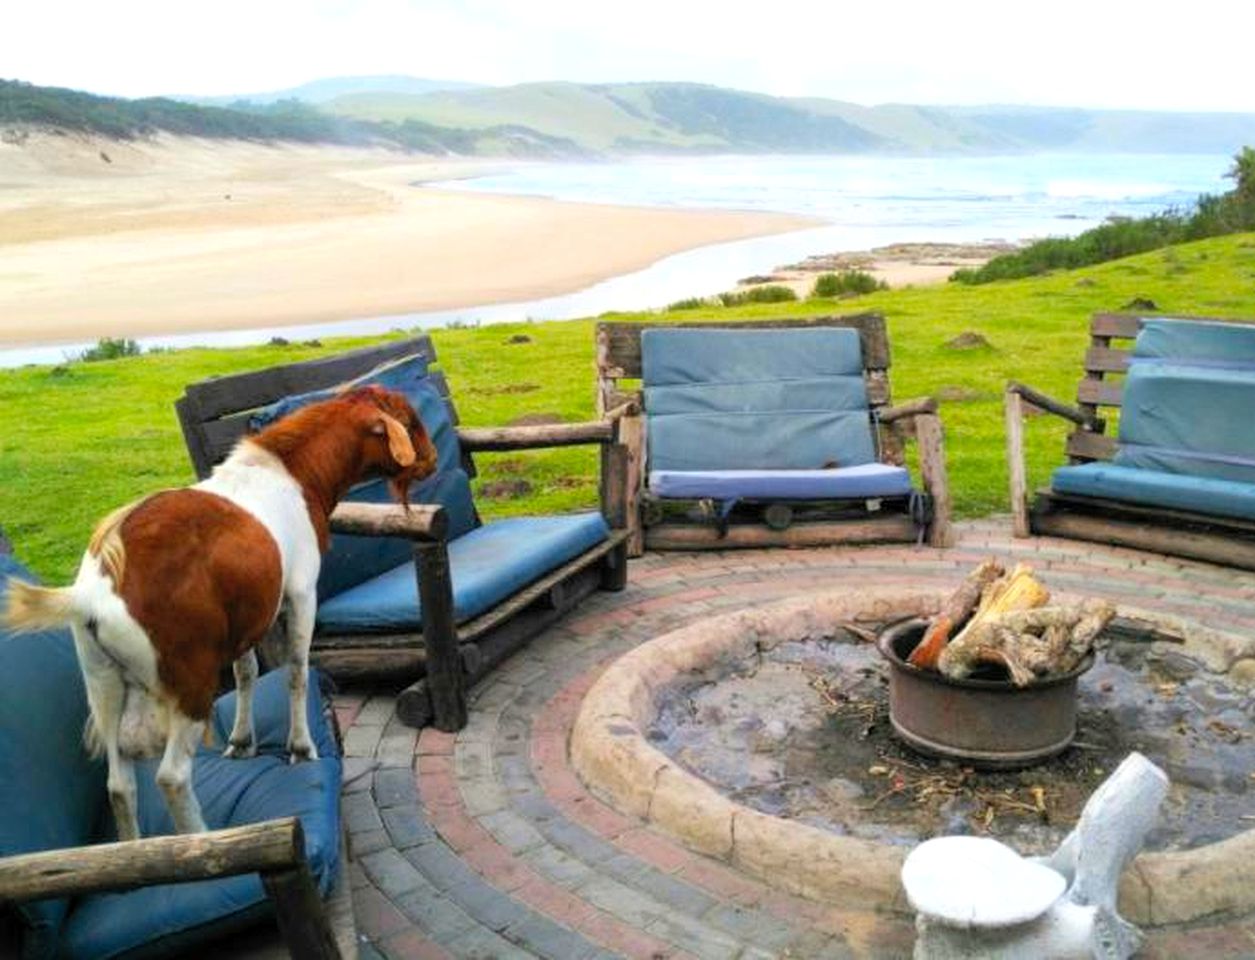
(689, 303)
(771, 293)
(109, 348)
(829, 285)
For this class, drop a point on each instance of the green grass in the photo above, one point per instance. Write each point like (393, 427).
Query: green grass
(80, 440)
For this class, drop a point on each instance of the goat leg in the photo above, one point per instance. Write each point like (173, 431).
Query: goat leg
(300, 630)
(243, 742)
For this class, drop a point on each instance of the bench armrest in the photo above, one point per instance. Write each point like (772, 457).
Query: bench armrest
(421, 521)
(255, 848)
(1041, 401)
(274, 848)
(544, 435)
(908, 410)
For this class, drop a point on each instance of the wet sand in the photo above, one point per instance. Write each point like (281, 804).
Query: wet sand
(108, 238)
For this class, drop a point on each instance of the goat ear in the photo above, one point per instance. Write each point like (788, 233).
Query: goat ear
(399, 443)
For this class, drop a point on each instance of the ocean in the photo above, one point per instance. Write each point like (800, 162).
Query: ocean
(863, 202)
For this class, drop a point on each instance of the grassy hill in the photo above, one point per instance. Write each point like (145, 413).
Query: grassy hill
(635, 117)
(320, 91)
(573, 119)
(670, 117)
(26, 105)
(78, 440)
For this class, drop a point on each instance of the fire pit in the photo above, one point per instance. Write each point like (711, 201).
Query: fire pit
(985, 721)
(762, 738)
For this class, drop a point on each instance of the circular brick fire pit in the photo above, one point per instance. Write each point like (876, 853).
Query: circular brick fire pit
(617, 741)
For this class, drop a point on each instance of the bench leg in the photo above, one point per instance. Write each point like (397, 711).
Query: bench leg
(446, 680)
(614, 569)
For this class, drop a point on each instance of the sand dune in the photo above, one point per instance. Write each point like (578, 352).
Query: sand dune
(123, 239)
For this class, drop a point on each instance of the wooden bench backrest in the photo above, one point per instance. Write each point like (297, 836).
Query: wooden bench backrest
(619, 352)
(214, 413)
(1111, 338)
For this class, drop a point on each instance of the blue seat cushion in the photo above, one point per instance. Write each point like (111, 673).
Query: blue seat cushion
(1156, 488)
(352, 560)
(722, 399)
(861, 482)
(1195, 342)
(487, 565)
(52, 795)
(1178, 418)
(165, 919)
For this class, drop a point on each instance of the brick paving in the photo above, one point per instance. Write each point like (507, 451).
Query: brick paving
(484, 844)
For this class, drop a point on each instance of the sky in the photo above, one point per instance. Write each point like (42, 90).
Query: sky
(1099, 53)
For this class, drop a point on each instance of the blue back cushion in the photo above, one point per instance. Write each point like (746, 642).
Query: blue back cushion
(51, 794)
(353, 560)
(1186, 400)
(719, 399)
(1196, 342)
(169, 918)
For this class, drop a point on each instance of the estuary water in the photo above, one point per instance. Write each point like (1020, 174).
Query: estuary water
(860, 202)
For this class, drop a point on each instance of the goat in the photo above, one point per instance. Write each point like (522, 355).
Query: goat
(177, 585)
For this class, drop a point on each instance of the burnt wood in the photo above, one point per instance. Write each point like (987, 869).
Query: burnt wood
(1225, 540)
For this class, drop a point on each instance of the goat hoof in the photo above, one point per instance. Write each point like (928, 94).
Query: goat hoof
(301, 754)
(240, 751)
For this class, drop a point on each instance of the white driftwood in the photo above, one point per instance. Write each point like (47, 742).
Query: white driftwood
(975, 901)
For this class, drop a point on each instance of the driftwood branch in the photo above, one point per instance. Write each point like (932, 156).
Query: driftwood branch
(911, 408)
(536, 437)
(1042, 402)
(258, 847)
(422, 521)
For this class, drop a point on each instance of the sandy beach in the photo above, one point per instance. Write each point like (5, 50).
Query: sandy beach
(103, 238)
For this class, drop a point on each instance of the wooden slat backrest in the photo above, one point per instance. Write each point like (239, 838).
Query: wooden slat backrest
(214, 413)
(1097, 389)
(619, 351)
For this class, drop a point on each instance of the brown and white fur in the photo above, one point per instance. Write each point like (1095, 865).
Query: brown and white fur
(177, 585)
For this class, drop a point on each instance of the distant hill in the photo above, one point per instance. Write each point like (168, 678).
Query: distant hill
(320, 91)
(27, 105)
(684, 117)
(573, 119)
(631, 118)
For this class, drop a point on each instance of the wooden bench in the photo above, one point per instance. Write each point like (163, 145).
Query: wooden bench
(445, 656)
(652, 525)
(1099, 397)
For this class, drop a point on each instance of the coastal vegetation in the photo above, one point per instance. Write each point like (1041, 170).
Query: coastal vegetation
(78, 439)
(828, 285)
(1212, 216)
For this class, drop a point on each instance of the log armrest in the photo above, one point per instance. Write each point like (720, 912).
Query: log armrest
(1041, 401)
(1014, 400)
(908, 410)
(538, 437)
(274, 848)
(420, 521)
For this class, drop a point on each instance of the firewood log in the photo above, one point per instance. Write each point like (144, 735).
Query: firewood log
(956, 609)
(1039, 642)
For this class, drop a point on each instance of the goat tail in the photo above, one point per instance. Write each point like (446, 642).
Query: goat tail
(31, 607)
